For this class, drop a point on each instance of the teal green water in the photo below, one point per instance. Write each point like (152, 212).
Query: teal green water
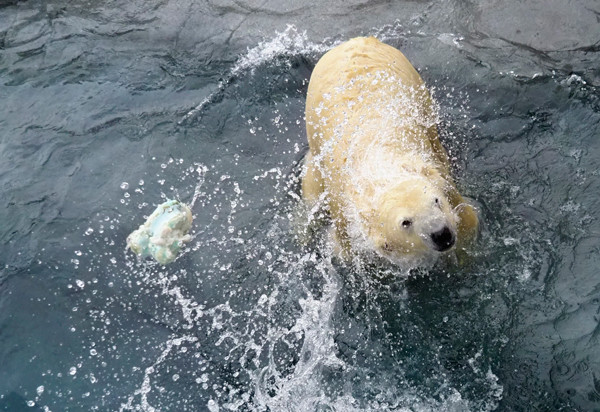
(96, 131)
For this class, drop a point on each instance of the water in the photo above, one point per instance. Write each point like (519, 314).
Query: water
(109, 109)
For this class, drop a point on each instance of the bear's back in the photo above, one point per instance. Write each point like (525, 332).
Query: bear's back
(360, 56)
(334, 84)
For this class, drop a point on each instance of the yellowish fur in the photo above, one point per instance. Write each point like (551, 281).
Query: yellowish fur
(375, 153)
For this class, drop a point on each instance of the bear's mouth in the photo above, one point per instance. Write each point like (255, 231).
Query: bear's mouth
(443, 239)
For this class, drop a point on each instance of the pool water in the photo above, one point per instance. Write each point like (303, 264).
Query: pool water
(110, 109)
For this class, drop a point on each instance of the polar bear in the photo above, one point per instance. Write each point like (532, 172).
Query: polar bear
(375, 160)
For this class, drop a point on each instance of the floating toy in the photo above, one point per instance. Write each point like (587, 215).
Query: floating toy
(164, 232)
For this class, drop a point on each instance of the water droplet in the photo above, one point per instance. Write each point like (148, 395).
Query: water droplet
(212, 406)
(80, 283)
(40, 390)
(73, 370)
(124, 186)
(175, 377)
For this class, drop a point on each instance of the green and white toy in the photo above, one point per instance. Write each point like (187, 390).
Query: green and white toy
(164, 232)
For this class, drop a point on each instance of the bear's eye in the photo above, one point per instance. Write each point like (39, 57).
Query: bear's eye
(406, 223)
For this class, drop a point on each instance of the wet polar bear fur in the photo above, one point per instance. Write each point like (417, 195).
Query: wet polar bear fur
(375, 160)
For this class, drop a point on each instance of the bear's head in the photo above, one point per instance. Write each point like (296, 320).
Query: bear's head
(412, 219)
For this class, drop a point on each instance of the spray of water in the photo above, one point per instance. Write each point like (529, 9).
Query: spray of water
(288, 42)
(252, 319)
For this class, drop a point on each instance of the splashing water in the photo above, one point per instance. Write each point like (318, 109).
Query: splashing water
(288, 42)
(257, 314)
(281, 340)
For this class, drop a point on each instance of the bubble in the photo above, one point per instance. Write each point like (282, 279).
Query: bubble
(80, 283)
(89, 231)
(124, 186)
(72, 371)
(40, 390)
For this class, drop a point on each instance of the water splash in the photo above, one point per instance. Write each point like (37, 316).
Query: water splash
(247, 319)
(201, 171)
(289, 42)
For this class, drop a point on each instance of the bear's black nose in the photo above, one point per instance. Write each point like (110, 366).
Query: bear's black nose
(443, 239)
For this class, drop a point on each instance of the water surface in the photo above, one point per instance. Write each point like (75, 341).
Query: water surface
(108, 109)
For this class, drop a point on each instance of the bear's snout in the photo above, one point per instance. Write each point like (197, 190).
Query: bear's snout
(443, 239)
